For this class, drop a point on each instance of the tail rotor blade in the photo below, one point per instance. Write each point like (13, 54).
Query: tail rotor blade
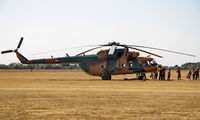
(20, 42)
(6, 51)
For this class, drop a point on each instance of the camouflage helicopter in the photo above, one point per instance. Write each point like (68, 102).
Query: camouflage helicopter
(113, 61)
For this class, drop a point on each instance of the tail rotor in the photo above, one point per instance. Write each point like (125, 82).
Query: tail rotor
(10, 51)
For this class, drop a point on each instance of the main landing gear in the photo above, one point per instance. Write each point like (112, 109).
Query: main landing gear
(141, 76)
(106, 77)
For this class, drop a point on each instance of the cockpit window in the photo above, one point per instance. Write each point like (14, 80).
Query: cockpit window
(153, 63)
(149, 63)
(145, 64)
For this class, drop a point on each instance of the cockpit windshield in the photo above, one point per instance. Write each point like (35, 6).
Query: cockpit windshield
(153, 62)
(149, 63)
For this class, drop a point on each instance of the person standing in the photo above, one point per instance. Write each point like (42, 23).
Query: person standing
(163, 74)
(193, 74)
(178, 74)
(152, 75)
(169, 74)
(197, 74)
(156, 75)
(160, 74)
(189, 74)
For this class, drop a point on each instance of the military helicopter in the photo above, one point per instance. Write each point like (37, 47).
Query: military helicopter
(113, 61)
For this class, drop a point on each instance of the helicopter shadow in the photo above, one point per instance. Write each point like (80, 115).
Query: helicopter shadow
(125, 79)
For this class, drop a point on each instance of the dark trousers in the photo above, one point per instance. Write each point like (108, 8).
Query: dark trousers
(193, 76)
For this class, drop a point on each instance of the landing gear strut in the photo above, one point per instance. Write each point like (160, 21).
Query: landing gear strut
(141, 76)
(106, 77)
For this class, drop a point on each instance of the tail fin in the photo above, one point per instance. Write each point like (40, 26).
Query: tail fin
(21, 57)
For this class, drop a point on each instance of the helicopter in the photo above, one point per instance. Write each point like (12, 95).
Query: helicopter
(105, 63)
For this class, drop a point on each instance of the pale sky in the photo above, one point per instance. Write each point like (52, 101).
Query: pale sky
(56, 24)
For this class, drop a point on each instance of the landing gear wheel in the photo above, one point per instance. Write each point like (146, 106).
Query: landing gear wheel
(106, 77)
(140, 78)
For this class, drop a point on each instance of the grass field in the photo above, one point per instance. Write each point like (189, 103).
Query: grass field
(74, 95)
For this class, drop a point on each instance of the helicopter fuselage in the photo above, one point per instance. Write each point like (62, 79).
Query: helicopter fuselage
(120, 62)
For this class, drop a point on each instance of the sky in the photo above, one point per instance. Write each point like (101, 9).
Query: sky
(48, 25)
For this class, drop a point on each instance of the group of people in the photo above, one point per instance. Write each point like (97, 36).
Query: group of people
(194, 73)
(161, 74)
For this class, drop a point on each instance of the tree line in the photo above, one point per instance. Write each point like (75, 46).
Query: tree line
(39, 66)
(185, 66)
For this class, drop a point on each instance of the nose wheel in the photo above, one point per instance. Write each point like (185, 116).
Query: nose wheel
(106, 77)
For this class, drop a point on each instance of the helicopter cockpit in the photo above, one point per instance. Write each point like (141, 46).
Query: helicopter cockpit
(149, 63)
(153, 62)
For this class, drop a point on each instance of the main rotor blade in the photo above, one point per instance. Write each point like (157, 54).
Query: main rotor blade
(62, 49)
(20, 42)
(163, 50)
(6, 51)
(145, 51)
(89, 50)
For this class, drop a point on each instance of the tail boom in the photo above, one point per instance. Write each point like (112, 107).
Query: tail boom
(73, 59)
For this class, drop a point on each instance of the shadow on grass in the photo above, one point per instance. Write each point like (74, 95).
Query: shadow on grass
(125, 79)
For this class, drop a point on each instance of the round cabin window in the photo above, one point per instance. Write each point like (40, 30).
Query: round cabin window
(131, 64)
(123, 65)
